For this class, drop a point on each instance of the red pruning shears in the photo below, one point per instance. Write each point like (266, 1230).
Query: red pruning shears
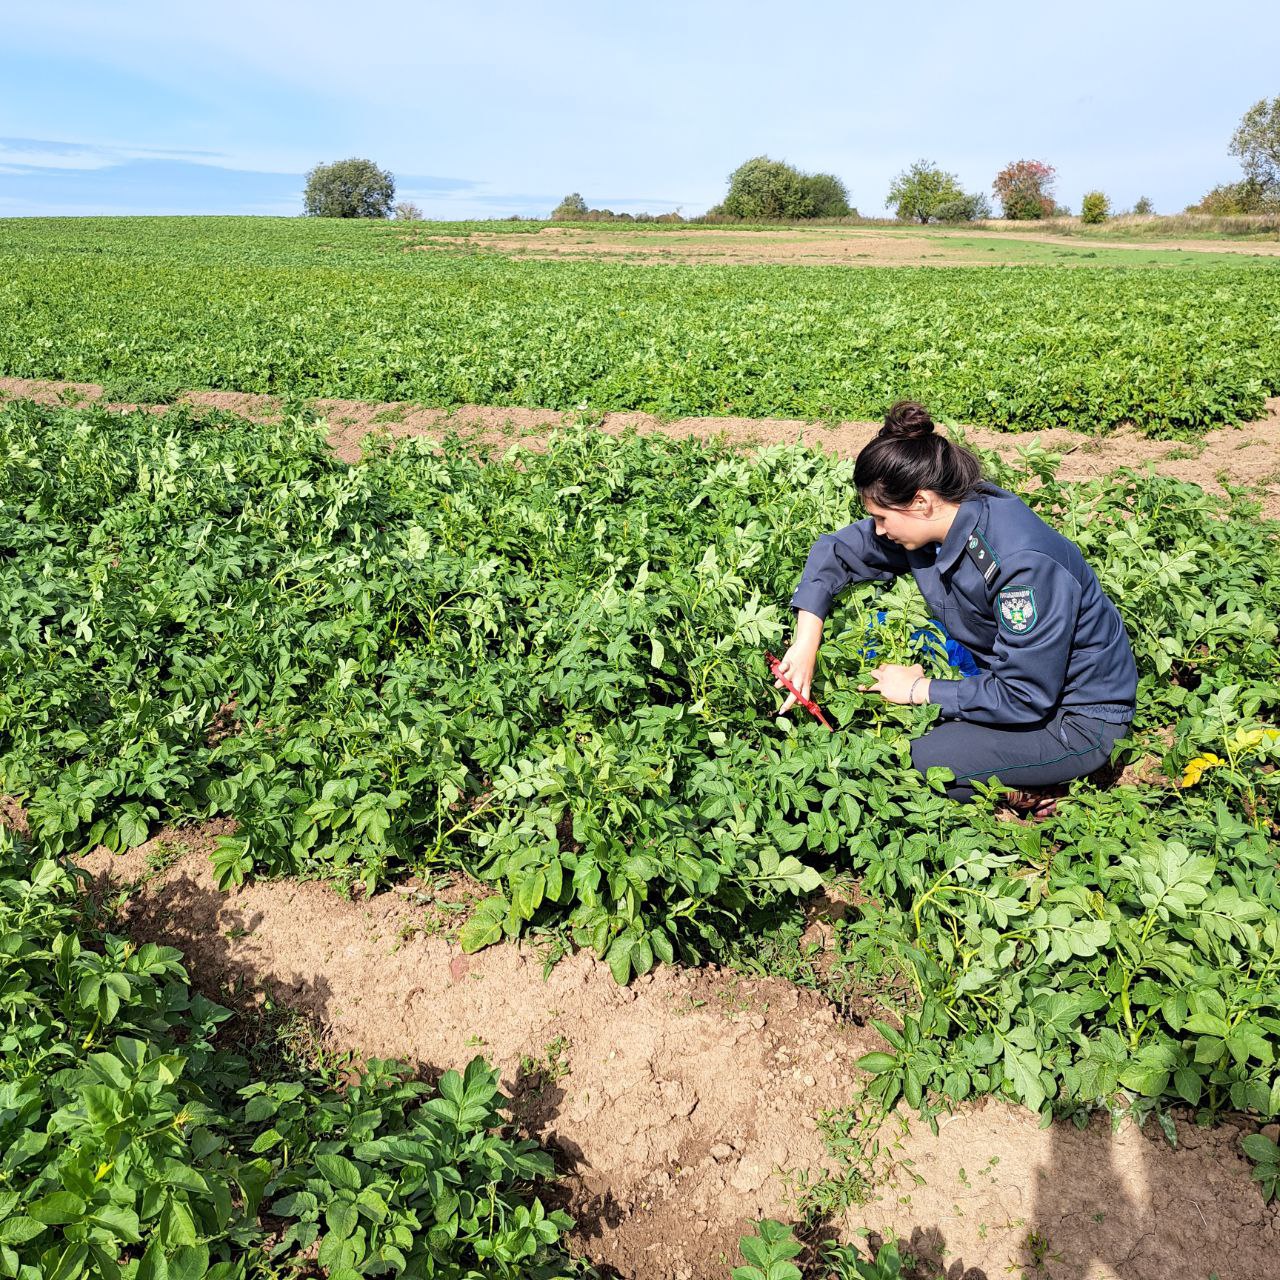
(775, 670)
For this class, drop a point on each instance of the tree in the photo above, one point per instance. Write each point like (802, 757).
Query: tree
(407, 211)
(573, 208)
(351, 188)
(768, 190)
(917, 192)
(1257, 143)
(764, 190)
(1025, 189)
(827, 195)
(1144, 208)
(1094, 208)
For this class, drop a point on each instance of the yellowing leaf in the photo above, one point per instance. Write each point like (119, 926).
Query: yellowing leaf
(1195, 768)
(1247, 739)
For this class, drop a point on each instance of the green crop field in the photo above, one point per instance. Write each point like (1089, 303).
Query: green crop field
(152, 307)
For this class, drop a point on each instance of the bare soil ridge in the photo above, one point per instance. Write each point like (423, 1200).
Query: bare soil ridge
(678, 1106)
(1247, 455)
(811, 246)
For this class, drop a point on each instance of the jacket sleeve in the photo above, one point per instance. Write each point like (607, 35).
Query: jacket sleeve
(1037, 606)
(851, 554)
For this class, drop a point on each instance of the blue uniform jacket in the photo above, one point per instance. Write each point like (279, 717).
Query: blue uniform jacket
(1021, 599)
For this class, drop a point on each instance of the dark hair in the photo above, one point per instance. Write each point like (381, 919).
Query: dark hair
(907, 456)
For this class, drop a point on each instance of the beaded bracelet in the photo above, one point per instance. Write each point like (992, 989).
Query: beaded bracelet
(911, 694)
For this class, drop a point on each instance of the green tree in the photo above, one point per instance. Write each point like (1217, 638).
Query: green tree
(1257, 143)
(917, 191)
(828, 195)
(351, 188)
(1144, 208)
(767, 190)
(1095, 208)
(573, 208)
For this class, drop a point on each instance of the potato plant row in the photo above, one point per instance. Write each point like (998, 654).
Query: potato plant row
(309, 308)
(546, 670)
(137, 1145)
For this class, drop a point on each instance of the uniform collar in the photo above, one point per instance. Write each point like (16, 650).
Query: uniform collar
(952, 546)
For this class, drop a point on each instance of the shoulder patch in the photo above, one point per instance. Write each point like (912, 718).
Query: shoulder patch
(978, 549)
(1016, 608)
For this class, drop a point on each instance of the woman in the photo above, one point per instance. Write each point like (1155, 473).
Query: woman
(1057, 680)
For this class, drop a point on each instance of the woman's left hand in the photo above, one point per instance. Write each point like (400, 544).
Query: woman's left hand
(893, 683)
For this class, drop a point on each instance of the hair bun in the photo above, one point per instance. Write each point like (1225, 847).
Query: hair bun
(907, 420)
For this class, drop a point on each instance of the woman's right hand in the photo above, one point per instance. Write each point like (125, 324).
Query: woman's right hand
(797, 665)
(798, 661)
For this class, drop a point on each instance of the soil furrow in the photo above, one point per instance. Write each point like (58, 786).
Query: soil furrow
(679, 1107)
(1247, 455)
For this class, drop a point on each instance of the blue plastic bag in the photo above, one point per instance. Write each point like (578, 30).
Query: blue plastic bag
(953, 651)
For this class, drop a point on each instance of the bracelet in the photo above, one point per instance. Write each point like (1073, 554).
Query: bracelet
(911, 693)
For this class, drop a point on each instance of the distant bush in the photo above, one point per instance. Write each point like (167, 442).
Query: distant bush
(1231, 199)
(1144, 208)
(573, 208)
(1094, 208)
(963, 208)
(351, 188)
(407, 211)
(1025, 189)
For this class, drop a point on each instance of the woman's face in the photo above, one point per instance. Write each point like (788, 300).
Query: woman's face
(913, 526)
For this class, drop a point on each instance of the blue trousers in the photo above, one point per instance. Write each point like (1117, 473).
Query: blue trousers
(1068, 746)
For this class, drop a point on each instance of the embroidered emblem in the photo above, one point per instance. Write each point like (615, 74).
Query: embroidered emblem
(1017, 609)
(978, 549)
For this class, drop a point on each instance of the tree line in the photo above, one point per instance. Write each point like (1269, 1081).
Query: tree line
(766, 190)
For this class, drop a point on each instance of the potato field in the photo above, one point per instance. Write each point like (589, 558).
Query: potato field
(537, 675)
(153, 307)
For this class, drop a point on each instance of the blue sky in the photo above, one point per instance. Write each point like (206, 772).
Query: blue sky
(489, 109)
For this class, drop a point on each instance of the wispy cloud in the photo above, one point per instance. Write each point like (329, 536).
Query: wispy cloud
(51, 153)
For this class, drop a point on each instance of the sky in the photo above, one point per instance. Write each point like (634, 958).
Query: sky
(485, 110)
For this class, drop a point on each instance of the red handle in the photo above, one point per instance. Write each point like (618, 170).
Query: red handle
(775, 669)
